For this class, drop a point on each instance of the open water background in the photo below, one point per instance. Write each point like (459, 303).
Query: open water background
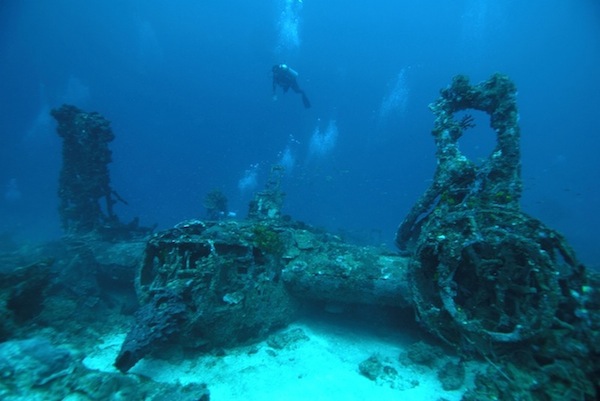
(187, 87)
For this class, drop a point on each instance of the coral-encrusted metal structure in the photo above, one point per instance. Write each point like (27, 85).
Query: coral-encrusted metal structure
(485, 276)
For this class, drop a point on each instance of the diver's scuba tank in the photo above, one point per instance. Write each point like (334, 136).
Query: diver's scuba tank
(285, 67)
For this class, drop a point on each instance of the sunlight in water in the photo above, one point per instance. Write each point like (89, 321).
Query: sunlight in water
(396, 98)
(323, 142)
(248, 182)
(287, 159)
(288, 25)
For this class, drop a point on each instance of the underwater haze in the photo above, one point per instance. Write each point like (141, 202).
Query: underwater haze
(187, 87)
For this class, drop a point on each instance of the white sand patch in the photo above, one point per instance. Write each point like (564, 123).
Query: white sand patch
(325, 367)
(106, 352)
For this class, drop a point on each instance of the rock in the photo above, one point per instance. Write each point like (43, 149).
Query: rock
(372, 368)
(424, 354)
(287, 339)
(93, 385)
(383, 373)
(22, 294)
(33, 362)
(452, 376)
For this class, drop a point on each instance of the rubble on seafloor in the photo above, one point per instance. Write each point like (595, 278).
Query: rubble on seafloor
(487, 280)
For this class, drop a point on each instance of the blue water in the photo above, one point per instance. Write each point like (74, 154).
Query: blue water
(187, 87)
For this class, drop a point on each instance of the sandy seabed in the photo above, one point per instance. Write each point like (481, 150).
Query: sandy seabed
(323, 367)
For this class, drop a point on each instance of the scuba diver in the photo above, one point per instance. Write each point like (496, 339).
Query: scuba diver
(285, 77)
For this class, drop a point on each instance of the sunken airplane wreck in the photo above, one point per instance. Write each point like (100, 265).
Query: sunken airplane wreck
(482, 277)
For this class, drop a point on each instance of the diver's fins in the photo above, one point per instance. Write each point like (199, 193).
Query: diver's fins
(305, 101)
